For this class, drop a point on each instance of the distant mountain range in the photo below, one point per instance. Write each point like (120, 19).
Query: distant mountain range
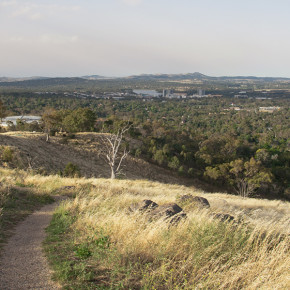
(96, 77)
(187, 76)
(199, 76)
(9, 79)
(143, 77)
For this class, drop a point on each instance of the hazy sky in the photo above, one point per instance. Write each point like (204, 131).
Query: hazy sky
(125, 37)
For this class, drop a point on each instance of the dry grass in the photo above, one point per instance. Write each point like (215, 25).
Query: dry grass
(125, 251)
(199, 253)
(269, 213)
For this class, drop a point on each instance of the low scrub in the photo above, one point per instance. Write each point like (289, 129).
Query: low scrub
(94, 242)
(11, 157)
(71, 170)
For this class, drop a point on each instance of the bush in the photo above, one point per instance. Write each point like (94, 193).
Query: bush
(190, 171)
(181, 170)
(7, 154)
(138, 152)
(71, 170)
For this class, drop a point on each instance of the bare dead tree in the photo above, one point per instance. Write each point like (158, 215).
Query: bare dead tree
(30, 161)
(112, 151)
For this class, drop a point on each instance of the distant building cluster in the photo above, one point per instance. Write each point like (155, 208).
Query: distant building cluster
(269, 109)
(12, 120)
(169, 94)
(200, 94)
(241, 95)
(139, 93)
(147, 93)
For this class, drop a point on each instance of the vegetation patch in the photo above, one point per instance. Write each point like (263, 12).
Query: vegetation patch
(10, 157)
(94, 242)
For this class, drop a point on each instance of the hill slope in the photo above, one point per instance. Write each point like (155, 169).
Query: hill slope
(84, 151)
(94, 241)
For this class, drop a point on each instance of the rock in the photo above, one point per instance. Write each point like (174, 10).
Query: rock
(224, 217)
(166, 211)
(170, 212)
(145, 205)
(177, 218)
(196, 201)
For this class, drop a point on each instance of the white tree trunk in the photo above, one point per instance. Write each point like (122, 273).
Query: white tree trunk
(111, 152)
(113, 174)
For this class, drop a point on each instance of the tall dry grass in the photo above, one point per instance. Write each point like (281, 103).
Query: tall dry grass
(200, 252)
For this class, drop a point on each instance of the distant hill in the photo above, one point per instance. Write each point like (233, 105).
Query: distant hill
(265, 79)
(102, 83)
(8, 79)
(44, 82)
(96, 77)
(199, 76)
(187, 76)
(143, 77)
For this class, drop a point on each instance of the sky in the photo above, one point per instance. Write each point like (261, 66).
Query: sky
(128, 37)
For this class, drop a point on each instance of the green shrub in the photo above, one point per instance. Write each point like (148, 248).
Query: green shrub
(181, 170)
(7, 154)
(83, 251)
(71, 170)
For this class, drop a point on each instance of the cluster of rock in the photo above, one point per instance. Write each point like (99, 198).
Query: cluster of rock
(173, 213)
(170, 212)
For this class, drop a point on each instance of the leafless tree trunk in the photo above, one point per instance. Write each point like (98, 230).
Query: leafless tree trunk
(113, 154)
(47, 137)
(244, 188)
(29, 161)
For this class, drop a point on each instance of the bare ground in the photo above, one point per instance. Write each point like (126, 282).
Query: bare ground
(23, 264)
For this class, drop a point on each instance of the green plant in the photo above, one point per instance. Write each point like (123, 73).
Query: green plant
(7, 154)
(71, 170)
(82, 251)
(103, 242)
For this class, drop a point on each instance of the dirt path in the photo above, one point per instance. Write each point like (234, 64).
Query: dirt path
(23, 264)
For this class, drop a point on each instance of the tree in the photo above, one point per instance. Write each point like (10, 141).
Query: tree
(174, 163)
(159, 157)
(51, 121)
(80, 120)
(245, 177)
(3, 113)
(113, 152)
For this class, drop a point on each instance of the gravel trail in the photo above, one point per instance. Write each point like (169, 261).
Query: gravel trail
(23, 264)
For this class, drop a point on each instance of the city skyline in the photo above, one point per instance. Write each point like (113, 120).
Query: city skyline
(132, 37)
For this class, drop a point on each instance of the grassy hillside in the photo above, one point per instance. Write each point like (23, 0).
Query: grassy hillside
(84, 151)
(95, 242)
